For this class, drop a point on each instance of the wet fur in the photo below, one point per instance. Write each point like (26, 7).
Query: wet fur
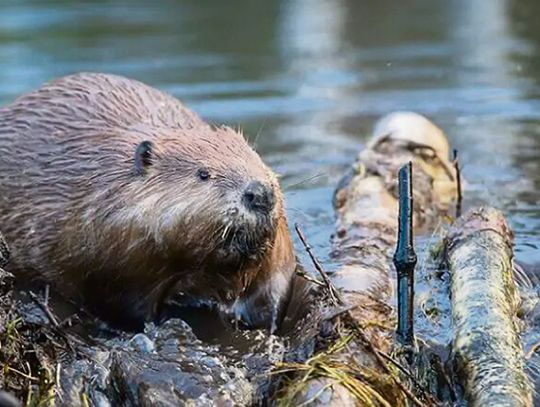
(78, 215)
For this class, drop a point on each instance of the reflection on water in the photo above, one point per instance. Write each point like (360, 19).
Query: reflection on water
(306, 79)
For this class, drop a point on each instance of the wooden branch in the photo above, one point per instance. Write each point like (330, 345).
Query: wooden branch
(333, 293)
(405, 259)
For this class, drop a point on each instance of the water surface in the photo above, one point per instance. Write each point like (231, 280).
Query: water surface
(306, 79)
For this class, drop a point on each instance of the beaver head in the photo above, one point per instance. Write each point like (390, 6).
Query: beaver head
(210, 196)
(190, 214)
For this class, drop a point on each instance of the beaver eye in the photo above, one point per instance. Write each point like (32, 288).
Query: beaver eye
(203, 174)
(143, 157)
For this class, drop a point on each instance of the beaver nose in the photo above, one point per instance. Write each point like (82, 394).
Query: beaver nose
(258, 197)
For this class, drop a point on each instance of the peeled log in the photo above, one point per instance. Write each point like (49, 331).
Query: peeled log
(366, 205)
(486, 345)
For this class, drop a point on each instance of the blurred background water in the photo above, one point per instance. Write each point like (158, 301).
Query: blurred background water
(306, 79)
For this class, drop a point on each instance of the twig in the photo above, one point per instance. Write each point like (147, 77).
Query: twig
(58, 369)
(405, 259)
(45, 308)
(459, 201)
(310, 279)
(334, 294)
(56, 326)
(25, 375)
(46, 295)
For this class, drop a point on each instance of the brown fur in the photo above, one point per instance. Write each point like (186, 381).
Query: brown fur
(77, 215)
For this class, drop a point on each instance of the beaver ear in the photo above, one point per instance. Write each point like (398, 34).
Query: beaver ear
(143, 157)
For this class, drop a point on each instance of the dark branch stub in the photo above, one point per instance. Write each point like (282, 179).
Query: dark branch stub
(405, 258)
(458, 186)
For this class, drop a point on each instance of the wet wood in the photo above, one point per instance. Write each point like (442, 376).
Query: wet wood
(366, 205)
(485, 299)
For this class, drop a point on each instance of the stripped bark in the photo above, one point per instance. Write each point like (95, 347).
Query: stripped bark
(486, 346)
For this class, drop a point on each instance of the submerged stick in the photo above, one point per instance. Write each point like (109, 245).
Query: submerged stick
(486, 346)
(405, 258)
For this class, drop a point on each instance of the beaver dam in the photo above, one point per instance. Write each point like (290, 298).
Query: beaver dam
(354, 335)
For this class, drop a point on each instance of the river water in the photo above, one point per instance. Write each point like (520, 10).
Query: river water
(306, 80)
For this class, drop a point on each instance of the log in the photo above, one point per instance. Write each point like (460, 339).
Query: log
(486, 346)
(366, 205)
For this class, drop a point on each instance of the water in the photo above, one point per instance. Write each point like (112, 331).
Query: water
(306, 79)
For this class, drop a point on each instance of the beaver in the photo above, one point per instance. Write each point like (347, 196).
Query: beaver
(119, 196)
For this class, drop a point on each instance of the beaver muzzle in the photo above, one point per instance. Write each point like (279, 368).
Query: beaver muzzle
(249, 231)
(258, 197)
